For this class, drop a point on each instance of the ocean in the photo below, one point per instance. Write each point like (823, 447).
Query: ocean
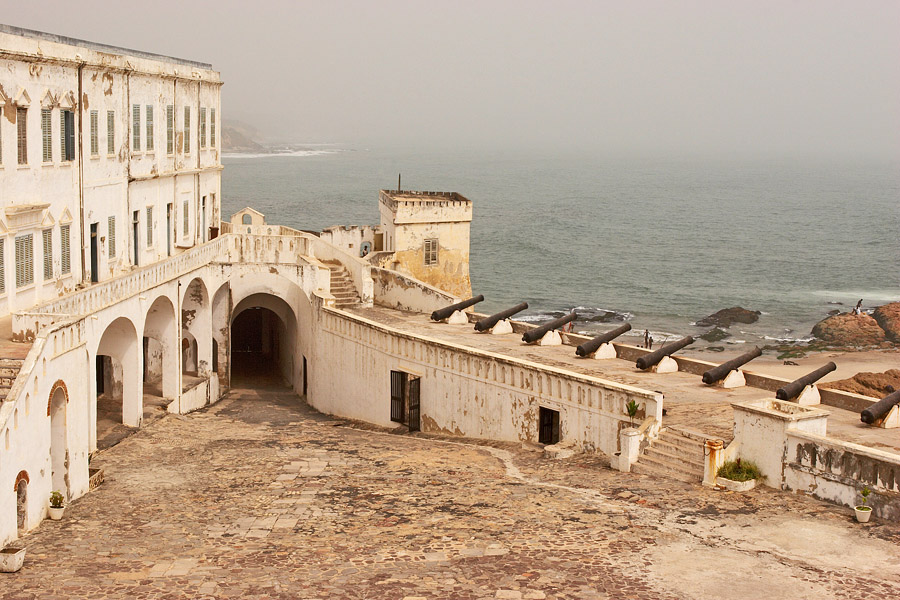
(657, 243)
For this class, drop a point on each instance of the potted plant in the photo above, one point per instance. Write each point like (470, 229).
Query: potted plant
(738, 475)
(57, 506)
(864, 511)
(11, 559)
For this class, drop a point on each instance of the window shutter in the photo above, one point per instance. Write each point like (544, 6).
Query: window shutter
(22, 131)
(46, 136)
(111, 236)
(187, 129)
(212, 127)
(67, 133)
(185, 210)
(202, 127)
(48, 254)
(65, 262)
(136, 127)
(170, 129)
(2, 266)
(62, 136)
(95, 144)
(149, 127)
(149, 226)
(110, 132)
(24, 260)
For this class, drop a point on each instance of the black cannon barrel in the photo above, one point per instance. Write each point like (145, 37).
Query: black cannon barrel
(591, 346)
(721, 372)
(533, 335)
(488, 322)
(793, 389)
(880, 409)
(443, 313)
(648, 360)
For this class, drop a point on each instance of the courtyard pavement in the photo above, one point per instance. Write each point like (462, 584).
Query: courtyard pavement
(260, 496)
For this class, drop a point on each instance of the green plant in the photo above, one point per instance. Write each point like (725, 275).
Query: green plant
(865, 499)
(738, 470)
(631, 408)
(56, 500)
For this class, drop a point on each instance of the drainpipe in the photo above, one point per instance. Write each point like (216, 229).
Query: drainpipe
(178, 326)
(81, 168)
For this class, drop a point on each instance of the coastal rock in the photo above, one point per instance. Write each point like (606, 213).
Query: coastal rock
(727, 316)
(888, 318)
(715, 335)
(876, 385)
(849, 330)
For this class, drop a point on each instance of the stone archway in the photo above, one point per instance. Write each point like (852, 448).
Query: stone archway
(160, 353)
(263, 341)
(59, 444)
(196, 321)
(21, 490)
(117, 375)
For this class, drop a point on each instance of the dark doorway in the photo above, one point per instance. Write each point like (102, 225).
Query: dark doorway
(168, 230)
(99, 373)
(21, 505)
(95, 266)
(549, 426)
(398, 396)
(414, 387)
(305, 380)
(135, 221)
(257, 356)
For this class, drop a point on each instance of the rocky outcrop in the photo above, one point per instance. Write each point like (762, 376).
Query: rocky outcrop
(876, 385)
(727, 316)
(888, 318)
(715, 335)
(847, 329)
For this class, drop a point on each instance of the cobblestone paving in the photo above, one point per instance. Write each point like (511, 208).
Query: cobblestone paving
(262, 497)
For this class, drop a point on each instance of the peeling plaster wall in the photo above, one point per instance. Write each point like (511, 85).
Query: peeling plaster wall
(394, 290)
(463, 391)
(351, 237)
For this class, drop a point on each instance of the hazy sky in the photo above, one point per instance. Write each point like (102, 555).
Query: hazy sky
(771, 78)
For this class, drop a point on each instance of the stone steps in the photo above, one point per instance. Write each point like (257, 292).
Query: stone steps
(673, 455)
(342, 287)
(9, 370)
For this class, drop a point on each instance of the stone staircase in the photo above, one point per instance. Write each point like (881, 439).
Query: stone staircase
(9, 369)
(675, 454)
(342, 287)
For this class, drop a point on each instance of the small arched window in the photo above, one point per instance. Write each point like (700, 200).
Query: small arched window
(247, 220)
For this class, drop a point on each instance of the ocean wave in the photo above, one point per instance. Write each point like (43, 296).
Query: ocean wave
(801, 340)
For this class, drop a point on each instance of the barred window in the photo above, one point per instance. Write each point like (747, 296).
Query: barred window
(110, 132)
(149, 119)
(95, 126)
(136, 127)
(202, 127)
(212, 128)
(187, 130)
(46, 136)
(149, 226)
(66, 135)
(111, 235)
(170, 129)
(65, 263)
(22, 131)
(431, 252)
(48, 254)
(24, 260)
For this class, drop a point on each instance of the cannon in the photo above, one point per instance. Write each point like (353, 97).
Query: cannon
(880, 409)
(648, 360)
(487, 323)
(533, 335)
(793, 389)
(443, 313)
(591, 346)
(721, 372)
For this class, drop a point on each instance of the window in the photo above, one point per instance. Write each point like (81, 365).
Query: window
(2, 266)
(136, 127)
(187, 130)
(149, 226)
(22, 130)
(184, 212)
(111, 235)
(95, 126)
(46, 136)
(65, 264)
(170, 129)
(149, 119)
(212, 128)
(202, 127)
(48, 254)
(431, 252)
(247, 220)
(24, 260)
(110, 132)
(66, 135)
